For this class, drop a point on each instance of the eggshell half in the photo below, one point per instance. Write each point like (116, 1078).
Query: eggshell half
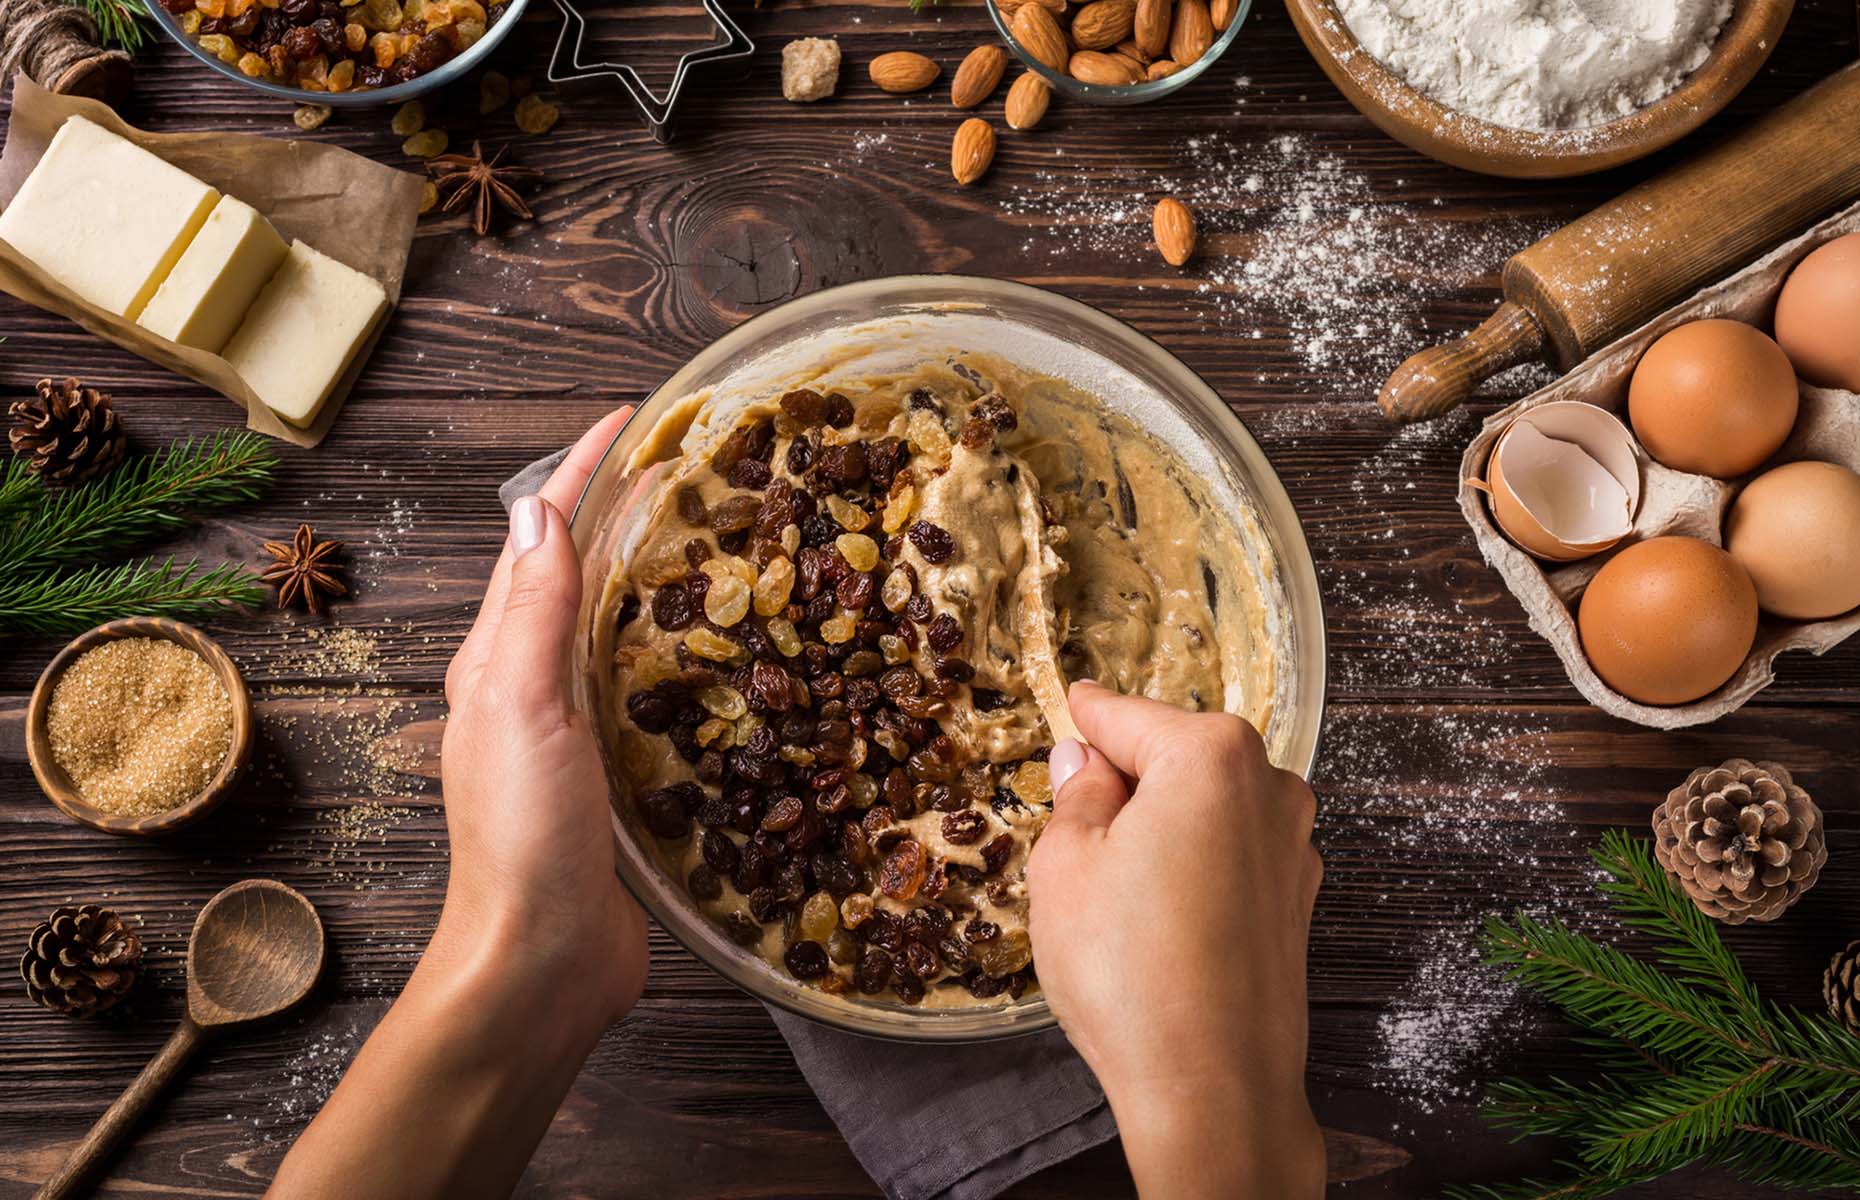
(1564, 481)
(1668, 620)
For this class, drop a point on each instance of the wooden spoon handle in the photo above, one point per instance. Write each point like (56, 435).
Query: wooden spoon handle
(113, 1127)
(1437, 380)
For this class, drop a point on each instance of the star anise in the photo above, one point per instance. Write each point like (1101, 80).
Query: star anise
(305, 569)
(486, 184)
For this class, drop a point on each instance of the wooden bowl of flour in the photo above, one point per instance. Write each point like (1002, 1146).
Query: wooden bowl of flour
(1424, 124)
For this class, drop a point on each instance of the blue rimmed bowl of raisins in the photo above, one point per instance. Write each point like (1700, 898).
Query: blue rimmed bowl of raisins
(340, 53)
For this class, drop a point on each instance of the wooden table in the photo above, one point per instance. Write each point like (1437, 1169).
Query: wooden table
(1461, 773)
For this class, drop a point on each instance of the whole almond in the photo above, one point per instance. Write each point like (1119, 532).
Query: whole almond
(1175, 230)
(1106, 70)
(1162, 68)
(978, 76)
(1150, 27)
(1192, 32)
(1039, 35)
(903, 71)
(1221, 12)
(1027, 100)
(1129, 49)
(972, 151)
(1056, 7)
(1103, 23)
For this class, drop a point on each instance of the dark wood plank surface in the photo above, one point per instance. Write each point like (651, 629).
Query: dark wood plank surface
(1460, 773)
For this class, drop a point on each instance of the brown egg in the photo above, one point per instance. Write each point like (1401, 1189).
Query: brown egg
(1713, 397)
(1796, 529)
(1668, 620)
(1818, 315)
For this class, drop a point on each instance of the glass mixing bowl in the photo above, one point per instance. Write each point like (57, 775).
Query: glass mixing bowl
(900, 322)
(1136, 93)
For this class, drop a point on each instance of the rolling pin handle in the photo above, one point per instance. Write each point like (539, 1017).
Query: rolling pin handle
(1439, 379)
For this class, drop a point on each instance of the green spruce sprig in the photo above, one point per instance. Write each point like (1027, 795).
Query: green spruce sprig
(1691, 1065)
(73, 600)
(119, 22)
(145, 498)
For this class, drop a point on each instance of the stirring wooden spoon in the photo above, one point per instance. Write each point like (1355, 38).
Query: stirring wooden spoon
(256, 949)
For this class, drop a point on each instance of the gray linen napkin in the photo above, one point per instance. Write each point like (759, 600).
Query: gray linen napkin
(936, 1122)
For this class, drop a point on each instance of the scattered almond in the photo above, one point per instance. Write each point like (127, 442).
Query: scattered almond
(1150, 28)
(1192, 31)
(1038, 34)
(1174, 225)
(1221, 12)
(973, 150)
(1027, 100)
(1162, 68)
(1103, 23)
(1105, 70)
(903, 71)
(978, 76)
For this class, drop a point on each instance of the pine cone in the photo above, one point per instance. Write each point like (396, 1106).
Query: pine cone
(1742, 840)
(70, 432)
(1838, 986)
(81, 961)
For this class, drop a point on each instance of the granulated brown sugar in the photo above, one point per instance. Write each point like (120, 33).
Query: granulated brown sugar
(140, 725)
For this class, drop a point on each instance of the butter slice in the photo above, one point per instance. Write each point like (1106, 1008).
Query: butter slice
(303, 331)
(206, 296)
(105, 217)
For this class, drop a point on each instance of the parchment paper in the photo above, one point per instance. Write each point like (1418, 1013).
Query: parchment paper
(1827, 429)
(351, 208)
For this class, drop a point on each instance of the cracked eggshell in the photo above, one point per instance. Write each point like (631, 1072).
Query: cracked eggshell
(1564, 481)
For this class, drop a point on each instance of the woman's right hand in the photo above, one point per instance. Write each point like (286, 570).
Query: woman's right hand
(1171, 897)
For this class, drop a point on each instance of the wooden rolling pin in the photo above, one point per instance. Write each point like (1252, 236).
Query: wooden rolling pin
(1608, 272)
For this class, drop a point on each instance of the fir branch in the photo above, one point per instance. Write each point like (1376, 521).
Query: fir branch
(119, 22)
(17, 482)
(71, 601)
(917, 6)
(1582, 1185)
(149, 496)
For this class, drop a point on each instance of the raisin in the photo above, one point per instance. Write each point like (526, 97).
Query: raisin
(667, 811)
(691, 506)
(703, 883)
(902, 873)
(371, 77)
(908, 987)
(995, 854)
(927, 924)
(742, 929)
(873, 971)
(806, 406)
(763, 904)
(839, 410)
(302, 43)
(300, 12)
(856, 591)
(862, 695)
(997, 412)
(654, 711)
(710, 770)
(777, 511)
(862, 662)
(977, 435)
(932, 541)
(978, 930)
(901, 681)
(918, 609)
(964, 828)
(329, 32)
(809, 565)
(897, 789)
(944, 634)
(920, 960)
(769, 687)
(989, 700)
(697, 553)
(735, 514)
(730, 451)
(922, 399)
(750, 473)
(955, 670)
(828, 685)
(839, 877)
(673, 607)
(883, 458)
(800, 455)
(844, 465)
(429, 53)
(720, 853)
(806, 960)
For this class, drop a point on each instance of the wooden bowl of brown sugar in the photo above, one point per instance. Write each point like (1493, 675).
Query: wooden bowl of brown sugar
(139, 727)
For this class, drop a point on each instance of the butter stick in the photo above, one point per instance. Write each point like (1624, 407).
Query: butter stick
(105, 217)
(303, 331)
(206, 296)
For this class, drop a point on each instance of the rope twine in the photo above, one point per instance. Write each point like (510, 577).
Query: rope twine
(46, 38)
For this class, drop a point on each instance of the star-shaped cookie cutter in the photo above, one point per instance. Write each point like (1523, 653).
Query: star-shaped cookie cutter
(658, 113)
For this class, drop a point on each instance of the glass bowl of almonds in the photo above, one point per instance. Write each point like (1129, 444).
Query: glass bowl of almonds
(1116, 52)
(838, 569)
(340, 53)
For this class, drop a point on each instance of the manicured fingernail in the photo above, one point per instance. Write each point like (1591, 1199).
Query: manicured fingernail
(1067, 760)
(527, 525)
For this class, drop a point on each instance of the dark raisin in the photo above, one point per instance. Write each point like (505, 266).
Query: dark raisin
(655, 710)
(828, 685)
(302, 43)
(863, 662)
(800, 455)
(920, 960)
(371, 76)
(742, 929)
(300, 12)
(997, 412)
(838, 877)
(805, 406)
(763, 904)
(328, 31)
(768, 686)
(964, 828)
(667, 811)
(901, 681)
(697, 553)
(908, 987)
(691, 506)
(897, 789)
(429, 53)
(698, 584)
(922, 399)
(721, 853)
(703, 883)
(806, 832)
(856, 591)
(844, 465)
(932, 541)
(946, 799)
(988, 700)
(839, 410)
(710, 769)
(995, 854)
(673, 608)
(821, 607)
(902, 872)
(956, 670)
(730, 451)
(791, 881)
(978, 930)
(874, 970)
(806, 960)
(808, 565)
(777, 511)
(750, 473)
(760, 647)
(944, 634)
(1000, 892)
(917, 608)
(735, 514)
(977, 435)
(684, 740)
(927, 924)
(883, 457)
(863, 695)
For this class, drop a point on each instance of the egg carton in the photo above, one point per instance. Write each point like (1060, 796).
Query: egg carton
(1827, 428)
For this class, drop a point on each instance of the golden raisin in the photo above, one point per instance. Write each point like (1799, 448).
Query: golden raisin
(721, 700)
(429, 196)
(312, 116)
(774, 588)
(536, 115)
(782, 632)
(837, 628)
(409, 119)
(850, 516)
(859, 551)
(705, 644)
(899, 507)
(726, 601)
(493, 92)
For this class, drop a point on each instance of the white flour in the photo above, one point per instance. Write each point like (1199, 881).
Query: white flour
(1539, 64)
